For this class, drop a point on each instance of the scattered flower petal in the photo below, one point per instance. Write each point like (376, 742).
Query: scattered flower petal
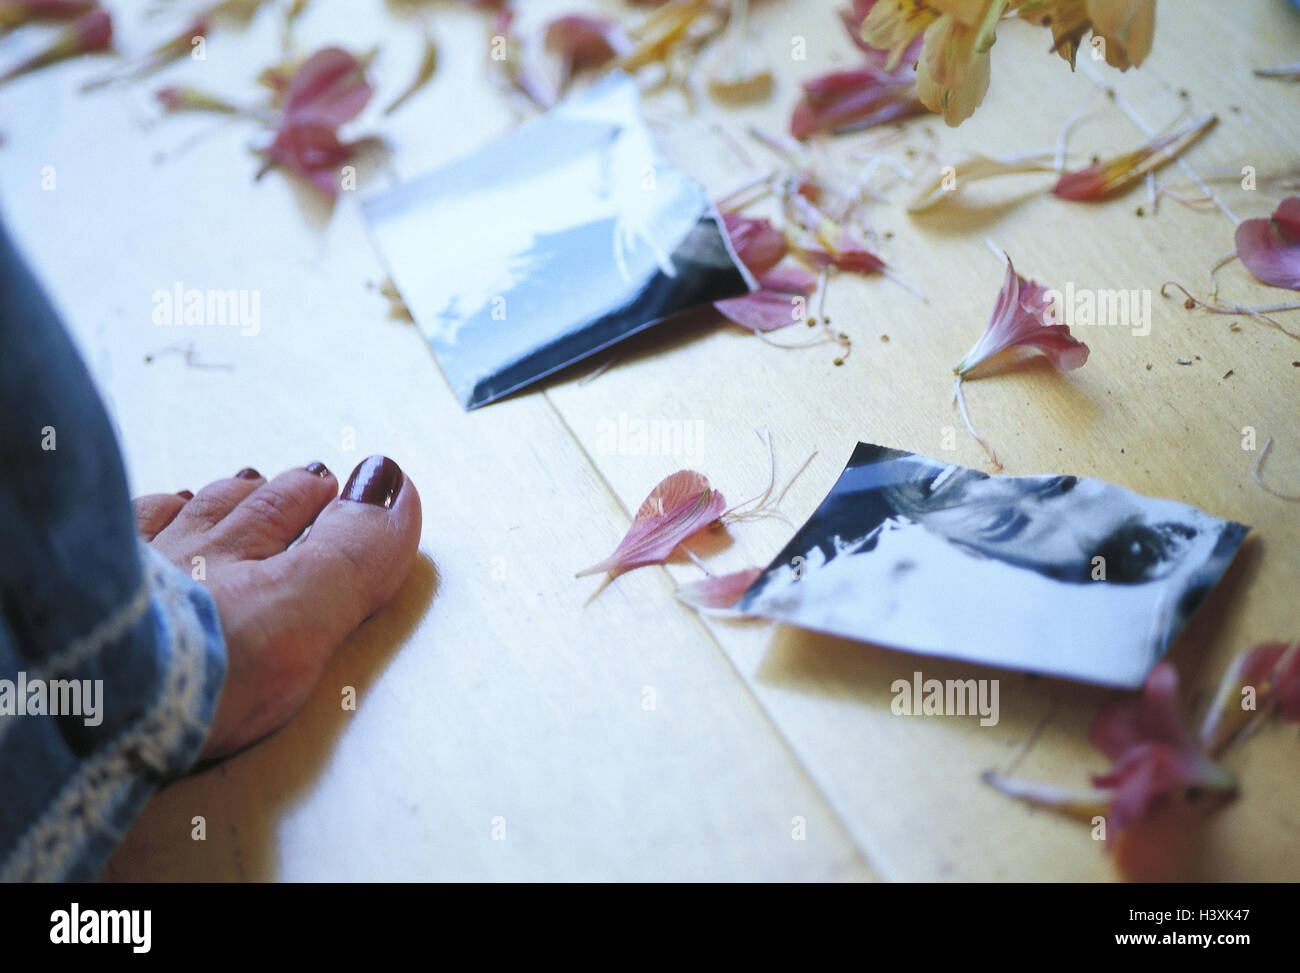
(1153, 752)
(164, 54)
(1110, 177)
(175, 98)
(423, 74)
(825, 242)
(759, 245)
(329, 88)
(679, 507)
(16, 13)
(1270, 248)
(1260, 680)
(88, 35)
(948, 182)
(718, 593)
(855, 99)
(774, 305)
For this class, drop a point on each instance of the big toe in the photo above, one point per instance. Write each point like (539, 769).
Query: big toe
(362, 545)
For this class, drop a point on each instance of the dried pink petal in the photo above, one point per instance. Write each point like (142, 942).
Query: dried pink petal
(855, 99)
(1263, 678)
(759, 245)
(1110, 177)
(585, 42)
(329, 88)
(775, 304)
(1270, 248)
(15, 13)
(1020, 319)
(719, 592)
(312, 150)
(1153, 752)
(90, 34)
(680, 506)
(832, 244)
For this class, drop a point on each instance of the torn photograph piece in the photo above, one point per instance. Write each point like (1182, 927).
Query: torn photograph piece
(551, 244)
(1058, 575)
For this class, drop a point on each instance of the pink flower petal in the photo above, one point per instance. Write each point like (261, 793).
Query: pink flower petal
(680, 506)
(851, 100)
(1152, 751)
(718, 593)
(1270, 248)
(759, 245)
(311, 150)
(330, 88)
(772, 306)
(1019, 319)
(585, 42)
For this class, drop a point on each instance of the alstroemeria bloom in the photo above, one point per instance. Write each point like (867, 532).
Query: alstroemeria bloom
(1270, 248)
(1110, 177)
(679, 507)
(1022, 317)
(1153, 753)
(823, 242)
(1159, 778)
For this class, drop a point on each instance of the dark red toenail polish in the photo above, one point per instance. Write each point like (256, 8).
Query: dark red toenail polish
(319, 469)
(376, 481)
(185, 494)
(248, 473)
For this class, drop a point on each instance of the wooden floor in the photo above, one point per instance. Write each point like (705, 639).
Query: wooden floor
(512, 726)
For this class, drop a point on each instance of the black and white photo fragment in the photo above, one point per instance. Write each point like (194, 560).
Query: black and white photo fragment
(1060, 575)
(551, 244)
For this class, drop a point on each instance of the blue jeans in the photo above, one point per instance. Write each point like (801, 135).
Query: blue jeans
(111, 659)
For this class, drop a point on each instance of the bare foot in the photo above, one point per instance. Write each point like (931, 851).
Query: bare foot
(284, 611)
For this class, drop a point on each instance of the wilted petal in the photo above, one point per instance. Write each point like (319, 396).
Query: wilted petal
(844, 101)
(952, 76)
(1152, 751)
(1066, 19)
(584, 42)
(774, 304)
(1266, 675)
(718, 593)
(759, 245)
(1108, 178)
(1020, 319)
(15, 13)
(1127, 26)
(175, 98)
(970, 170)
(92, 33)
(423, 74)
(680, 506)
(826, 242)
(1270, 248)
(897, 26)
(329, 88)
(311, 150)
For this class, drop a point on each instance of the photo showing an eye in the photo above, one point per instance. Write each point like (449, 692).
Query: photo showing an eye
(1133, 554)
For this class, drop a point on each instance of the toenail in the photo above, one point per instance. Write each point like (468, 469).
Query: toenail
(248, 473)
(375, 481)
(319, 469)
(185, 494)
